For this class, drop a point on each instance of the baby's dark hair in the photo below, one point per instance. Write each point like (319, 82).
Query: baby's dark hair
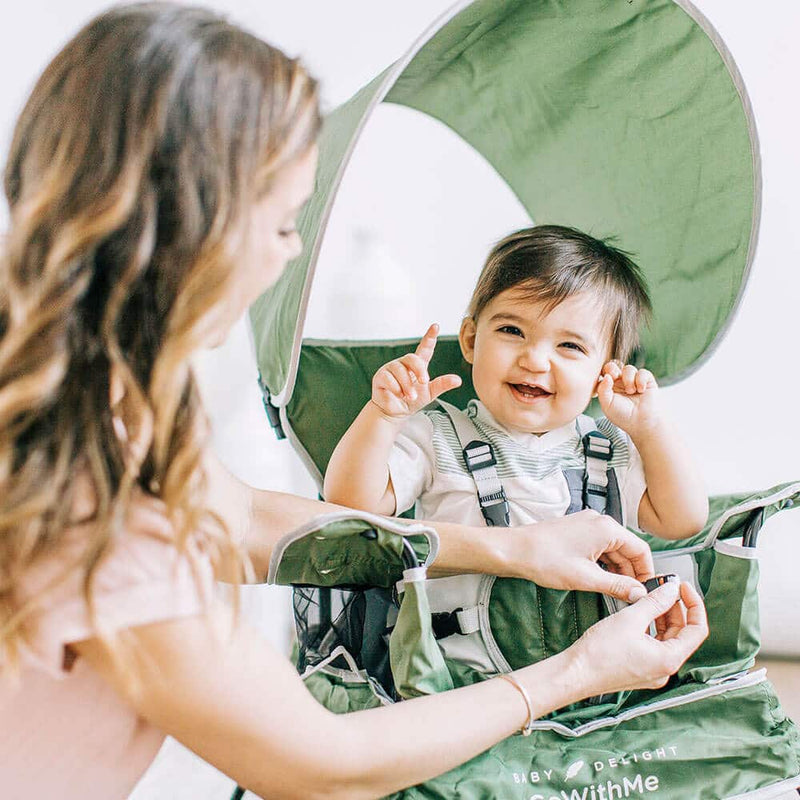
(556, 262)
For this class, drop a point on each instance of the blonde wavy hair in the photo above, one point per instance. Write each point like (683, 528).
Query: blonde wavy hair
(132, 166)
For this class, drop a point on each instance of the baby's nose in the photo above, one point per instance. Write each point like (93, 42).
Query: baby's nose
(535, 359)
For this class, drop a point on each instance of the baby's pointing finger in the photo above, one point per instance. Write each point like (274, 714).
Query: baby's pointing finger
(427, 344)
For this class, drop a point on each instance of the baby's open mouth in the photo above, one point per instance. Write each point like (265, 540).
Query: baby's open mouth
(529, 392)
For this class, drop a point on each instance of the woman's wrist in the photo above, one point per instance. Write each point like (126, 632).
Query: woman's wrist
(469, 549)
(556, 682)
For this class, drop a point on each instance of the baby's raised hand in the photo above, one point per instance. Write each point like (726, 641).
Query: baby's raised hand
(627, 396)
(402, 387)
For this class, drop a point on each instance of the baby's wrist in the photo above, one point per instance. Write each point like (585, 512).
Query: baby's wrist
(381, 414)
(648, 431)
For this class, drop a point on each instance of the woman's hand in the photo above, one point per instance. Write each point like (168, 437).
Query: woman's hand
(564, 554)
(618, 652)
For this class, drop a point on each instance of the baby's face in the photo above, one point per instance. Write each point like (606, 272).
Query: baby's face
(536, 370)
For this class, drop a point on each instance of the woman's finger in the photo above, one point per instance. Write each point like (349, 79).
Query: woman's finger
(593, 578)
(656, 604)
(693, 633)
(618, 564)
(626, 545)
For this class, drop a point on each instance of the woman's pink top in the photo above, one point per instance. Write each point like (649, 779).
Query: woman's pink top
(64, 733)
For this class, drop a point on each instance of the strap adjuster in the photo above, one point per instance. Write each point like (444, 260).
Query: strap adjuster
(595, 445)
(479, 455)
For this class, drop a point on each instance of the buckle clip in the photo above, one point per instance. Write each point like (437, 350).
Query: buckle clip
(595, 445)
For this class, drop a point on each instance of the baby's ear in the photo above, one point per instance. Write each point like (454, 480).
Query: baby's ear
(466, 339)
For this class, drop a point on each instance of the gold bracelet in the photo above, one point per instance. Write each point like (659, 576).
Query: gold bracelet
(527, 728)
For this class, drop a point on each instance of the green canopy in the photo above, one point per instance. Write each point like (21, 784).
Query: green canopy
(625, 119)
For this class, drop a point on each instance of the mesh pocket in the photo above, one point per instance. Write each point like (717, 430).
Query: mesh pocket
(356, 619)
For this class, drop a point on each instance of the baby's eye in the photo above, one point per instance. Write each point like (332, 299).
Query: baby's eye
(286, 233)
(579, 348)
(512, 329)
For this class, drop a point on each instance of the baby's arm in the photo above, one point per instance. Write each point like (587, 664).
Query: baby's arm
(674, 504)
(358, 472)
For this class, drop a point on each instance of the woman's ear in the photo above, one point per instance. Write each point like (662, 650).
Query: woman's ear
(466, 338)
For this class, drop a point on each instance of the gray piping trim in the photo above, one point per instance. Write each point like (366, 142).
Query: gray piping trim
(750, 679)
(386, 523)
(392, 74)
(492, 648)
(409, 341)
(736, 550)
(769, 792)
(755, 150)
(759, 502)
(353, 675)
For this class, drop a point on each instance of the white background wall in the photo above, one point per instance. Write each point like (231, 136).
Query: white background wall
(413, 191)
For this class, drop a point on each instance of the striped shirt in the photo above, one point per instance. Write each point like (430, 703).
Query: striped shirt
(428, 470)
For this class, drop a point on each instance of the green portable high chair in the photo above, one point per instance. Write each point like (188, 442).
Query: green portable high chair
(626, 117)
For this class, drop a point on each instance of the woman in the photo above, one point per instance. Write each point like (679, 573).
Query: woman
(154, 180)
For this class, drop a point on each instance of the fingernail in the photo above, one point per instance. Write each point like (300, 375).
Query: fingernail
(636, 593)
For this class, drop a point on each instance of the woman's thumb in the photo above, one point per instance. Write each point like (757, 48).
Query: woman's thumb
(659, 601)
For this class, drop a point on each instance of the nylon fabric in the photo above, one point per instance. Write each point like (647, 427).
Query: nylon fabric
(417, 663)
(618, 118)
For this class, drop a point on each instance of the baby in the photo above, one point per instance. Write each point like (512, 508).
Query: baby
(551, 324)
(552, 321)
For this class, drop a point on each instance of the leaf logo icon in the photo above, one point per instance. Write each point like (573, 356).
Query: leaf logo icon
(573, 769)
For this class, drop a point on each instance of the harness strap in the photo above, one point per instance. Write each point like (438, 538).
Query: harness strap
(482, 465)
(598, 452)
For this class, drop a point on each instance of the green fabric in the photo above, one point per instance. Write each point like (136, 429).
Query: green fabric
(335, 380)
(275, 317)
(339, 695)
(338, 554)
(705, 750)
(729, 585)
(618, 118)
(418, 666)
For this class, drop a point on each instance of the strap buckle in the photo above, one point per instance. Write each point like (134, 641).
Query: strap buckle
(495, 510)
(479, 455)
(445, 623)
(595, 445)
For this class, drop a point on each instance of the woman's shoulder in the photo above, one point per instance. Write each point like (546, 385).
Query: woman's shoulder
(142, 576)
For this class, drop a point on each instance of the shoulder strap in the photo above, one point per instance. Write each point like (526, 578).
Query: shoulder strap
(598, 451)
(481, 464)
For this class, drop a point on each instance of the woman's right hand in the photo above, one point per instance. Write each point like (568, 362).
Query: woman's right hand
(566, 553)
(619, 653)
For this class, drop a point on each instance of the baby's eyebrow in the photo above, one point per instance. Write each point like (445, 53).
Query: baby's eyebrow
(503, 315)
